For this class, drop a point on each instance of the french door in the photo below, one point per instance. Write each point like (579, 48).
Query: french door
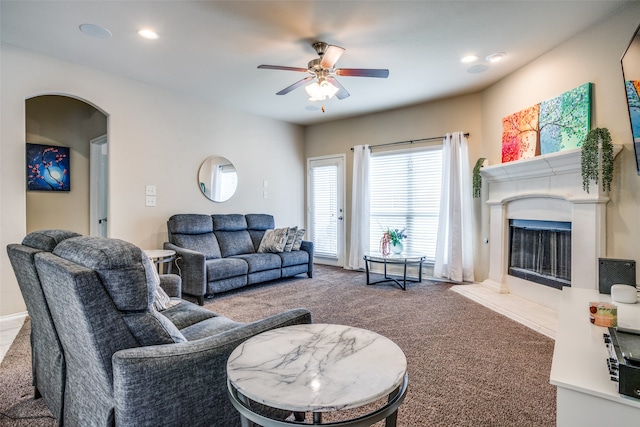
(325, 208)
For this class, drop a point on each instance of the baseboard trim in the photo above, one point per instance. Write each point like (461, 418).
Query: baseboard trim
(12, 318)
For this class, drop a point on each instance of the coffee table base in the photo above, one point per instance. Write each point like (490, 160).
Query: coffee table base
(389, 412)
(368, 260)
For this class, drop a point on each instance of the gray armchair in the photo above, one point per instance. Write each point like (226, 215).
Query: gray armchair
(47, 357)
(128, 364)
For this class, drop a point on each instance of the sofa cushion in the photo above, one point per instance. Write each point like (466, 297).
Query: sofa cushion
(225, 267)
(261, 222)
(190, 224)
(234, 243)
(261, 262)
(257, 225)
(294, 258)
(47, 240)
(273, 240)
(206, 244)
(229, 222)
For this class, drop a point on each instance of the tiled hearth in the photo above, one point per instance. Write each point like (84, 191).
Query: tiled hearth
(537, 317)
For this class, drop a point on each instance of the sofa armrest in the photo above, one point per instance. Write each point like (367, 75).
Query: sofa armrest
(307, 246)
(191, 267)
(171, 284)
(185, 383)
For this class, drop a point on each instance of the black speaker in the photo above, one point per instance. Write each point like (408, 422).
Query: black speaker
(615, 271)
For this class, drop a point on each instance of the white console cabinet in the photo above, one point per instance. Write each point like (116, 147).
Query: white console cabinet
(585, 394)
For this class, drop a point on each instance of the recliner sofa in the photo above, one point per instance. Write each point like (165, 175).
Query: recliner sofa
(217, 253)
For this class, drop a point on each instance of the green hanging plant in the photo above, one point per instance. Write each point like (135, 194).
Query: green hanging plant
(590, 162)
(477, 179)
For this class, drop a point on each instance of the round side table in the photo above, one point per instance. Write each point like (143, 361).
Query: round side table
(161, 256)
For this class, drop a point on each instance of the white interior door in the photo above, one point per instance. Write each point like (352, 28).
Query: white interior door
(99, 186)
(325, 202)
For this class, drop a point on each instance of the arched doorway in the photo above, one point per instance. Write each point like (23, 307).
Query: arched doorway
(64, 121)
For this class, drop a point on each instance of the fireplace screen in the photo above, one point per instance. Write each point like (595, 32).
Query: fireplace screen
(540, 251)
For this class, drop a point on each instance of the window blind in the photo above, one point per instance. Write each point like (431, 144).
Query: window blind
(405, 194)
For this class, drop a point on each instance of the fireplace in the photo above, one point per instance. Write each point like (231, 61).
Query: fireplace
(540, 252)
(545, 188)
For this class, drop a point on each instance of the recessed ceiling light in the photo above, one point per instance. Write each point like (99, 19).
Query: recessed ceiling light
(495, 57)
(148, 34)
(469, 58)
(480, 68)
(95, 31)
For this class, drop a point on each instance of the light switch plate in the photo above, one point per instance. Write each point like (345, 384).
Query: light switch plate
(150, 201)
(150, 190)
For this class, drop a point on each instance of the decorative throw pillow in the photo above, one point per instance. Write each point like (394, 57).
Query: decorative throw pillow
(161, 300)
(297, 241)
(273, 240)
(291, 236)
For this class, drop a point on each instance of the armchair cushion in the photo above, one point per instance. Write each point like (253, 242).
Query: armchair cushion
(47, 240)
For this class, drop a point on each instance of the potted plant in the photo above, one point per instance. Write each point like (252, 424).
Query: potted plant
(477, 179)
(596, 140)
(392, 241)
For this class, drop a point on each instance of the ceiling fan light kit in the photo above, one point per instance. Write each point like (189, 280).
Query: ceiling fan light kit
(322, 74)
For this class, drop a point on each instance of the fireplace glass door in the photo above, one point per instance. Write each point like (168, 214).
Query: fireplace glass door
(540, 252)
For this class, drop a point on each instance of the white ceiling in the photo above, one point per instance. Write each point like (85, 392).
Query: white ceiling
(210, 49)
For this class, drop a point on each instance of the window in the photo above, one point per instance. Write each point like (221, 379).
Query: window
(405, 193)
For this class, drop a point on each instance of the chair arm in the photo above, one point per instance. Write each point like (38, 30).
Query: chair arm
(307, 246)
(184, 383)
(172, 285)
(191, 267)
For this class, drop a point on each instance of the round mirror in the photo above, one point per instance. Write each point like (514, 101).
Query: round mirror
(217, 178)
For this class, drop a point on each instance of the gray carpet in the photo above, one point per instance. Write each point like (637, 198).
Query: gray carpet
(468, 366)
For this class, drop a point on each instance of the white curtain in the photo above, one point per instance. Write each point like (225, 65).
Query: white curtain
(454, 244)
(360, 206)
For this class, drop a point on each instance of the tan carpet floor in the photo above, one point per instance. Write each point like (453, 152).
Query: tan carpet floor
(468, 366)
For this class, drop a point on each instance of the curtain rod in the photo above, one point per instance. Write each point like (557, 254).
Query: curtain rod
(411, 141)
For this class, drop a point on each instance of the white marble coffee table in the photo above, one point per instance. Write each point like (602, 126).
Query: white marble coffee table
(317, 368)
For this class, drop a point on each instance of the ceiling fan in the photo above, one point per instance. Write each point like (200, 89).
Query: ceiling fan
(322, 74)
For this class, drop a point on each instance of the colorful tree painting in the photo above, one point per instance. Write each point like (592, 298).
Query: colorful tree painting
(47, 168)
(557, 124)
(519, 135)
(633, 99)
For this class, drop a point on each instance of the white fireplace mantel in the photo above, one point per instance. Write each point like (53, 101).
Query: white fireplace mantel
(547, 187)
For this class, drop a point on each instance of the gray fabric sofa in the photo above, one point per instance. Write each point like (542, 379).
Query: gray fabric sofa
(217, 253)
(126, 363)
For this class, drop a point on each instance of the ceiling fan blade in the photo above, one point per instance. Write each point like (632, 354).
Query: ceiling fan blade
(296, 85)
(342, 92)
(280, 67)
(363, 72)
(331, 56)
